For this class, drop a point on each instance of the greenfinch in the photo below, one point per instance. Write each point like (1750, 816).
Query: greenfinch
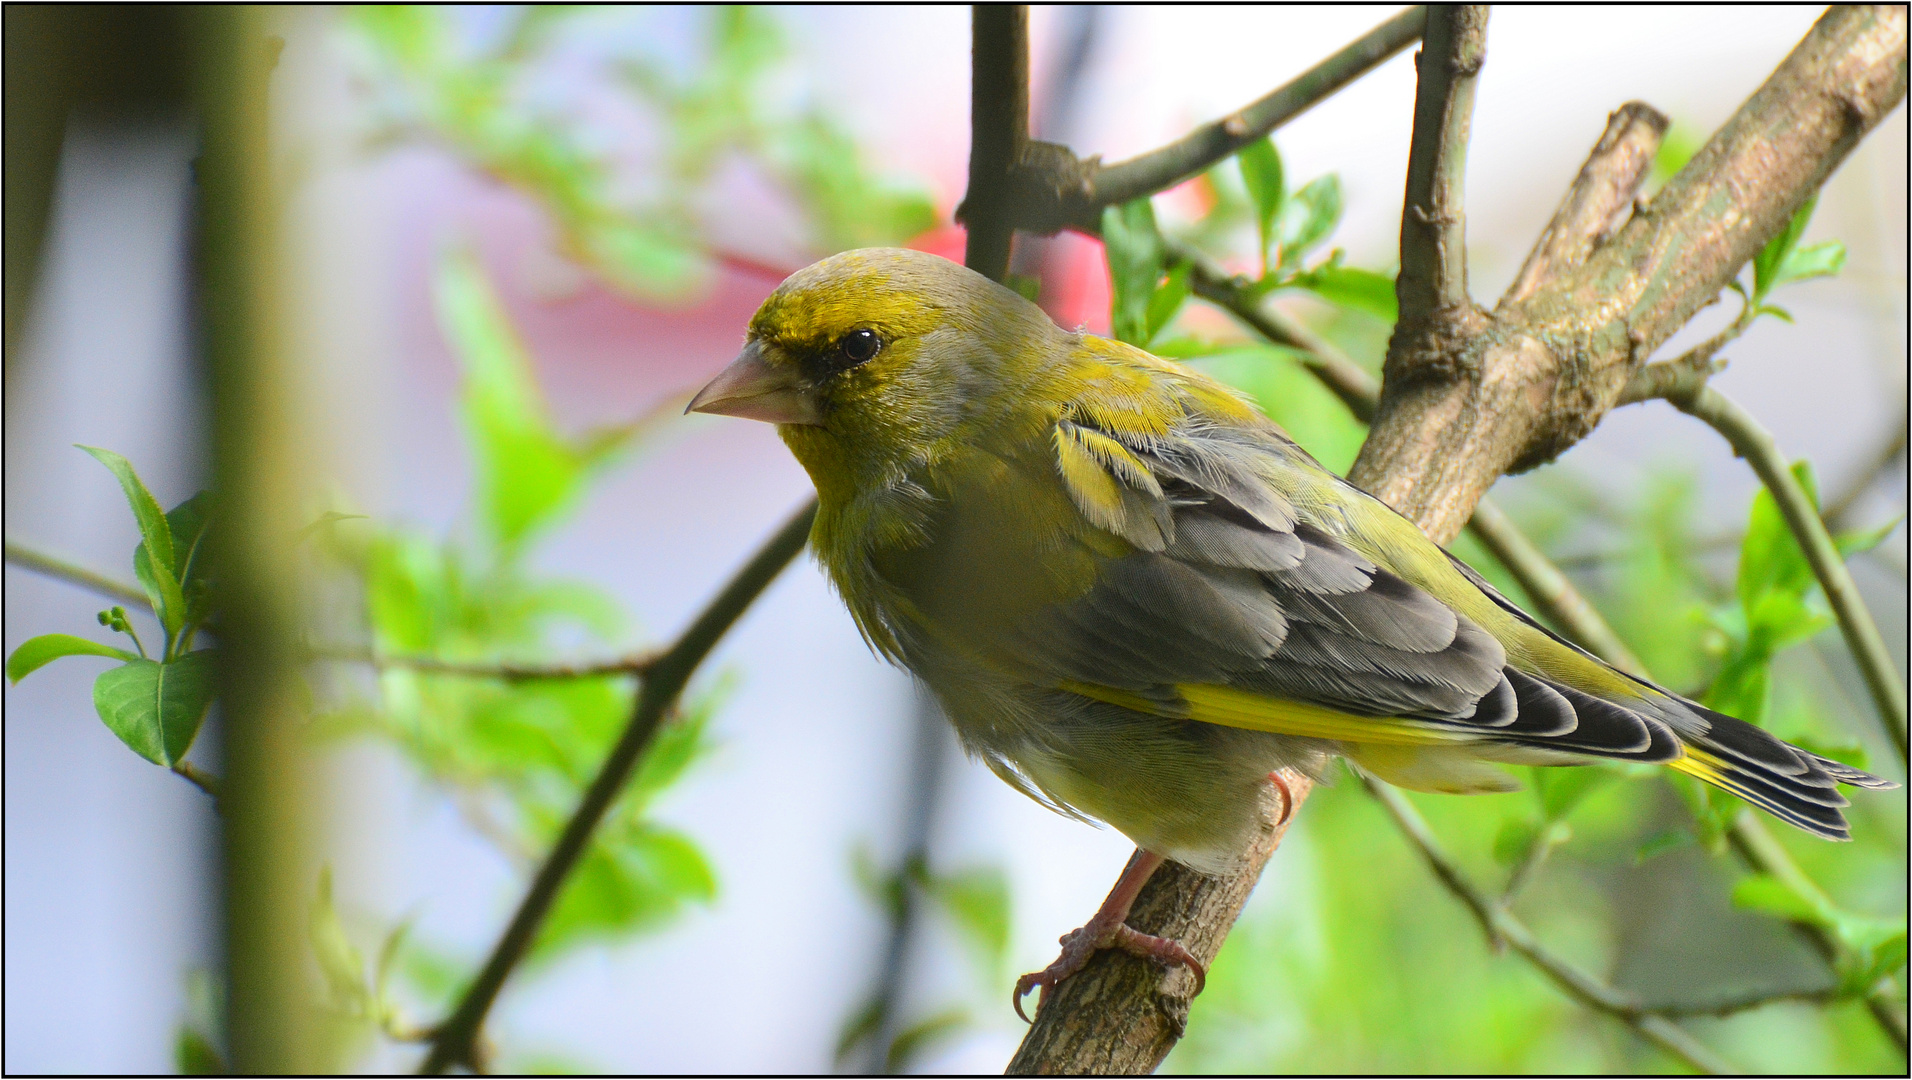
(1138, 600)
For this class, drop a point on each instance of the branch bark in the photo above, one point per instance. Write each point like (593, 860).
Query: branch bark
(998, 131)
(1432, 285)
(1546, 368)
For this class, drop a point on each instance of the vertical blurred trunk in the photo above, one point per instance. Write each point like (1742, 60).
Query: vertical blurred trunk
(259, 459)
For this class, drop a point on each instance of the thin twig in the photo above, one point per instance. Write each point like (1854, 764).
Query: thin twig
(1501, 925)
(1433, 281)
(635, 664)
(1559, 602)
(1754, 443)
(663, 682)
(28, 557)
(1727, 1006)
(200, 779)
(1164, 167)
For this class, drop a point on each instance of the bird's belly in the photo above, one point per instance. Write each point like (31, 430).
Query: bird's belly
(1190, 791)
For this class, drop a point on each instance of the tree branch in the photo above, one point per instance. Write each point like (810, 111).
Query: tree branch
(1545, 368)
(28, 557)
(1501, 925)
(1754, 443)
(1598, 201)
(663, 683)
(1164, 167)
(635, 664)
(1120, 1015)
(998, 131)
(1432, 286)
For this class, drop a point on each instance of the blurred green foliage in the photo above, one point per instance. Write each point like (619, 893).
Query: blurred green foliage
(645, 227)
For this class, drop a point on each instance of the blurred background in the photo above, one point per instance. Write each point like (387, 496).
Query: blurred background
(522, 237)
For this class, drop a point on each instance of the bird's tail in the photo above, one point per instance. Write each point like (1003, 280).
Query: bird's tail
(1794, 785)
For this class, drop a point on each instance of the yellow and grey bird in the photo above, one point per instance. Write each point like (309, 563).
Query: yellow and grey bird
(1137, 598)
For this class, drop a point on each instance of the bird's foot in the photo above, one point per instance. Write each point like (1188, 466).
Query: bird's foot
(1080, 944)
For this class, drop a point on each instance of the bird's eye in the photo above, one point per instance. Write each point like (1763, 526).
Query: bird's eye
(858, 346)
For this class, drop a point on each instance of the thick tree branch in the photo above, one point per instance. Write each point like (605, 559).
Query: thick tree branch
(1599, 200)
(1544, 370)
(998, 131)
(1753, 442)
(1432, 286)
(1500, 925)
(664, 681)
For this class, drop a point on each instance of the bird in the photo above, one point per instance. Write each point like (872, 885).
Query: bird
(1139, 601)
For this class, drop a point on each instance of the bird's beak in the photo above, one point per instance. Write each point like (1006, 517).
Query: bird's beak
(754, 390)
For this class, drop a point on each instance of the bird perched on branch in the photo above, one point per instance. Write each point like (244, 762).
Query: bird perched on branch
(1138, 600)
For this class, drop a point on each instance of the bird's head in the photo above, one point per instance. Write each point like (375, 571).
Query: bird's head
(868, 360)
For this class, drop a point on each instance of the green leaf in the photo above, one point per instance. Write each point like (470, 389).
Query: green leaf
(527, 474)
(977, 901)
(1261, 174)
(1882, 957)
(1515, 838)
(1769, 557)
(195, 1055)
(1660, 843)
(156, 708)
(912, 1041)
(638, 878)
(1767, 264)
(1135, 253)
(339, 960)
(156, 536)
(861, 1025)
(1823, 259)
(1857, 540)
(36, 653)
(1307, 218)
(1349, 287)
(1024, 285)
(1168, 299)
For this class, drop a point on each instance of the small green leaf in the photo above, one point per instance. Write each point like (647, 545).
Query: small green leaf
(339, 960)
(1881, 957)
(1168, 299)
(1766, 264)
(153, 528)
(1823, 259)
(156, 536)
(1135, 253)
(527, 473)
(156, 708)
(977, 901)
(1660, 843)
(1349, 287)
(861, 1025)
(195, 1055)
(912, 1041)
(1775, 311)
(1261, 173)
(1024, 285)
(36, 653)
(1857, 540)
(1307, 218)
